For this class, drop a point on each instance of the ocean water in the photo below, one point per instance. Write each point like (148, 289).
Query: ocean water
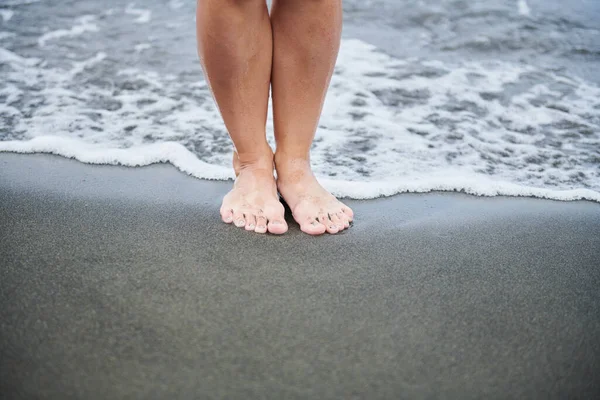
(486, 97)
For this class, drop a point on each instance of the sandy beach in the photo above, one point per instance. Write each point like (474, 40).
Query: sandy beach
(122, 283)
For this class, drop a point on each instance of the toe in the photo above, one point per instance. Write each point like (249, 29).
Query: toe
(329, 225)
(345, 220)
(337, 220)
(312, 227)
(275, 216)
(250, 222)
(238, 219)
(226, 215)
(322, 217)
(348, 211)
(277, 226)
(261, 225)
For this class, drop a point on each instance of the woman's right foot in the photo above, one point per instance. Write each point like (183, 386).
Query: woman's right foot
(253, 203)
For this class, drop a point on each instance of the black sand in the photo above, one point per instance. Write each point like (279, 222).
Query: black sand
(122, 283)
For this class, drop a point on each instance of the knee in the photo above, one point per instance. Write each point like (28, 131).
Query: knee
(236, 3)
(240, 3)
(310, 1)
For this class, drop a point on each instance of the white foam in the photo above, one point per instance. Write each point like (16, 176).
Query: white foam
(170, 152)
(6, 35)
(388, 125)
(141, 47)
(6, 15)
(82, 25)
(523, 7)
(18, 2)
(176, 4)
(478, 185)
(80, 66)
(143, 15)
(8, 57)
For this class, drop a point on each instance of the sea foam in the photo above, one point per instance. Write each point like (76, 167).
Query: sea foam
(523, 8)
(6, 15)
(143, 16)
(388, 125)
(84, 24)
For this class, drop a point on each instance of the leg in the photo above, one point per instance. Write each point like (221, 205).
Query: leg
(306, 36)
(235, 48)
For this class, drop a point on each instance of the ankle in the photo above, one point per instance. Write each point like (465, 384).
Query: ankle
(255, 160)
(283, 160)
(292, 170)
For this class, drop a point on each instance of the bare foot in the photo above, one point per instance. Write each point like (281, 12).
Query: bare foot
(315, 209)
(253, 202)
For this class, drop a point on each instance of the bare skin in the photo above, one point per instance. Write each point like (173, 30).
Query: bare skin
(243, 52)
(235, 48)
(306, 36)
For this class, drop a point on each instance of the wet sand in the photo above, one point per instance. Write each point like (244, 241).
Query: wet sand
(122, 283)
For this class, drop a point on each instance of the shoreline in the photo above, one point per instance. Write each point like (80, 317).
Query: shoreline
(475, 185)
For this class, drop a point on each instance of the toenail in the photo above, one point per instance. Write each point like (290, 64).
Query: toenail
(228, 219)
(331, 226)
(276, 222)
(251, 226)
(240, 222)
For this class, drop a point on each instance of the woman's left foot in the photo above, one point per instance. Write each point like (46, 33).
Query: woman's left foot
(315, 209)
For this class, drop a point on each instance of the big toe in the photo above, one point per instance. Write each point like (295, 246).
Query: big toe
(277, 226)
(313, 227)
(226, 215)
(275, 215)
